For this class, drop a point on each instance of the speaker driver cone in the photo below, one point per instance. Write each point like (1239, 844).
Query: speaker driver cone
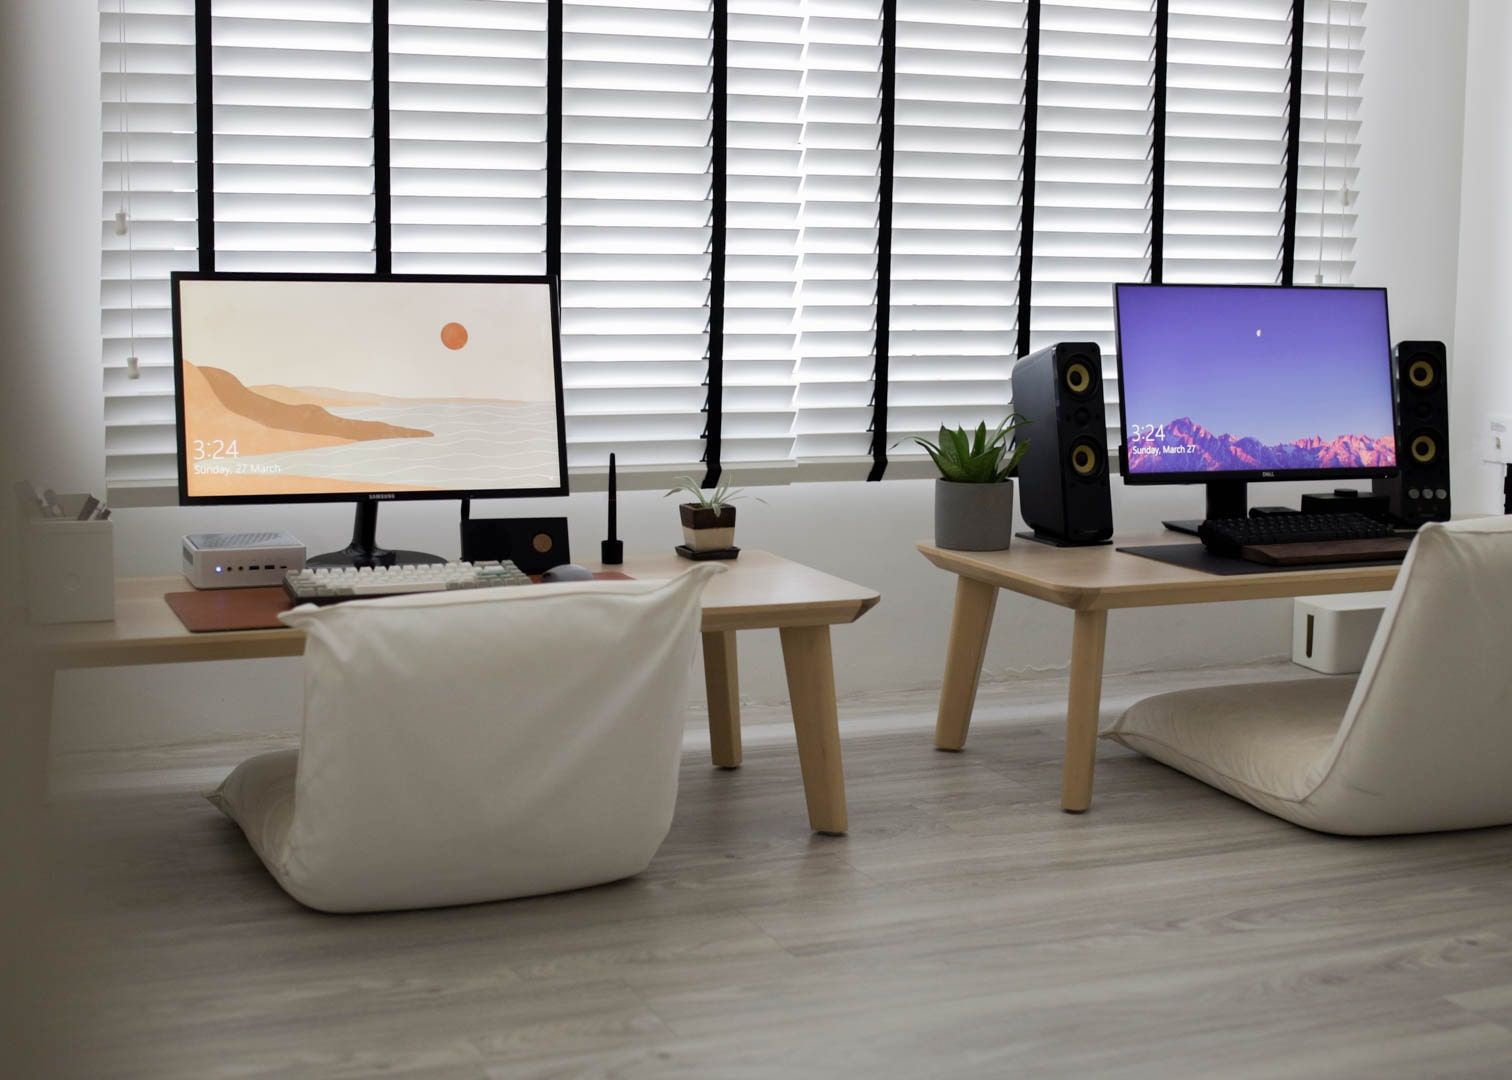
(1423, 448)
(1079, 377)
(1085, 458)
(1421, 373)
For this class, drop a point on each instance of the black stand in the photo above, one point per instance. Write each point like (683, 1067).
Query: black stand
(1507, 492)
(1225, 499)
(611, 550)
(364, 549)
(1055, 541)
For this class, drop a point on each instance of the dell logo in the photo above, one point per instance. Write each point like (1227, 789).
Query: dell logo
(1267, 473)
(380, 495)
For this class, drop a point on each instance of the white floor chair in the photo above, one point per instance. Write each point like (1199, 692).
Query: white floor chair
(477, 746)
(1421, 743)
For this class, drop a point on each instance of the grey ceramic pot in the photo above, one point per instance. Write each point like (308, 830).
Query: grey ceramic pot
(973, 517)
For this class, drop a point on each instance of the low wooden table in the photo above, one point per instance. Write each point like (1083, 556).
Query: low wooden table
(1092, 581)
(760, 591)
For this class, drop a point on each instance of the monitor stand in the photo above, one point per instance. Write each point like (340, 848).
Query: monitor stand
(364, 549)
(1225, 499)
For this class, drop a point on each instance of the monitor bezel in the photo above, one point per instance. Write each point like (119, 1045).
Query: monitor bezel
(185, 499)
(1250, 475)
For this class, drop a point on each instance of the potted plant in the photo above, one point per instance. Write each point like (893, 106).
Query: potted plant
(708, 520)
(974, 493)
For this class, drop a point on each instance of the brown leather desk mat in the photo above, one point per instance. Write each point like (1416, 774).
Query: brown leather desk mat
(209, 611)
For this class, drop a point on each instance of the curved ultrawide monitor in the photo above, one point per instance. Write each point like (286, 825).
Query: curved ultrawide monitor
(303, 388)
(1233, 382)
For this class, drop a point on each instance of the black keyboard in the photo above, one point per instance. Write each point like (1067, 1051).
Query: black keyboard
(1225, 536)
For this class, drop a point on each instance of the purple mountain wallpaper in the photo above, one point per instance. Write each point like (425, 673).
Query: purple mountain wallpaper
(1239, 379)
(1187, 446)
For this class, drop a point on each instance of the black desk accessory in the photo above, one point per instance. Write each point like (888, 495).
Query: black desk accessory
(1197, 557)
(1272, 511)
(1055, 541)
(706, 556)
(533, 544)
(611, 550)
(1348, 500)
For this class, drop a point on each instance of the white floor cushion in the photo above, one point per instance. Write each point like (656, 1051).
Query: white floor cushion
(1421, 742)
(477, 746)
(1266, 744)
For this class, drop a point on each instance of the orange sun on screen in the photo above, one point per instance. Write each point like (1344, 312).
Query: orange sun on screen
(454, 335)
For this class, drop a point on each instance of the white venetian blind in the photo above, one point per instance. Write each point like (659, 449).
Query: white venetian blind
(842, 103)
(636, 155)
(1228, 64)
(295, 181)
(1327, 177)
(293, 135)
(957, 195)
(147, 93)
(764, 159)
(467, 96)
(1094, 178)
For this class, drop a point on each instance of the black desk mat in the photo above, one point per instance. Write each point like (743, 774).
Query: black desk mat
(1197, 557)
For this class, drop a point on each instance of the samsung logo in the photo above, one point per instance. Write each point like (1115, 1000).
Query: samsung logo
(381, 495)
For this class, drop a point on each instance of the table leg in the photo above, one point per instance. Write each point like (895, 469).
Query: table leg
(722, 682)
(970, 624)
(816, 719)
(1083, 702)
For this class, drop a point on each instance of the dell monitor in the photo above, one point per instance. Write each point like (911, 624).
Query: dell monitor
(1224, 384)
(322, 388)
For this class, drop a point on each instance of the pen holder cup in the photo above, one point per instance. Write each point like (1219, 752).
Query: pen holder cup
(68, 565)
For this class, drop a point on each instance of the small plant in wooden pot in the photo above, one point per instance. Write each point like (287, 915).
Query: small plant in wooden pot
(708, 520)
(974, 493)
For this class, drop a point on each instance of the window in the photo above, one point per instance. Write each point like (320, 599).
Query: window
(818, 108)
(467, 93)
(957, 192)
(1226, 106)
(1328, 175)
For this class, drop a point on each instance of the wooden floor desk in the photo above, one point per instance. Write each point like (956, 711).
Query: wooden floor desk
(1091, 581)
(758, 591)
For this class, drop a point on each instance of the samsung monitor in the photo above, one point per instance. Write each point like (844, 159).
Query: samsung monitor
(300, 388)
(1226, 384)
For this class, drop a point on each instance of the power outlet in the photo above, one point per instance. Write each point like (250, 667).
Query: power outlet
(1499, 440)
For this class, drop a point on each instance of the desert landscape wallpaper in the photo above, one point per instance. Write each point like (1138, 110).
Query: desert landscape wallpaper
(322, 387)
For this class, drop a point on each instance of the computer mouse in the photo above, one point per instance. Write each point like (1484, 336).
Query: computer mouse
(568, 572)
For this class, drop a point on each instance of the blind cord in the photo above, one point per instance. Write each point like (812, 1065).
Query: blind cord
(123, 214)
(1323, 187)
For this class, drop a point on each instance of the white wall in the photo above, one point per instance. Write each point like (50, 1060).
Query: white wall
(1409, 217)
(1482, 375)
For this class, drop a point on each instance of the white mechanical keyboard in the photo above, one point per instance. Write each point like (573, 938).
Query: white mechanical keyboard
(330, 585)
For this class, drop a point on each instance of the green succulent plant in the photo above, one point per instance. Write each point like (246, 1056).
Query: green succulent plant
(983, 457)
(715, 500)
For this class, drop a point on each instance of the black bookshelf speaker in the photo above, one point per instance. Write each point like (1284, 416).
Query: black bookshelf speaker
(1421, 492)
(1063, 479)
(535, 545)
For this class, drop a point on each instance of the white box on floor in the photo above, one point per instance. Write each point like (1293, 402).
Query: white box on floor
(1332, 634)
(69, 565)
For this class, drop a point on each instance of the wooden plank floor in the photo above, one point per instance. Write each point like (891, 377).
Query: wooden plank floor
(965, 928)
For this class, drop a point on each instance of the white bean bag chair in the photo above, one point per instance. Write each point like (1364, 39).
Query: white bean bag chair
(477, 746)
(1422, 742)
